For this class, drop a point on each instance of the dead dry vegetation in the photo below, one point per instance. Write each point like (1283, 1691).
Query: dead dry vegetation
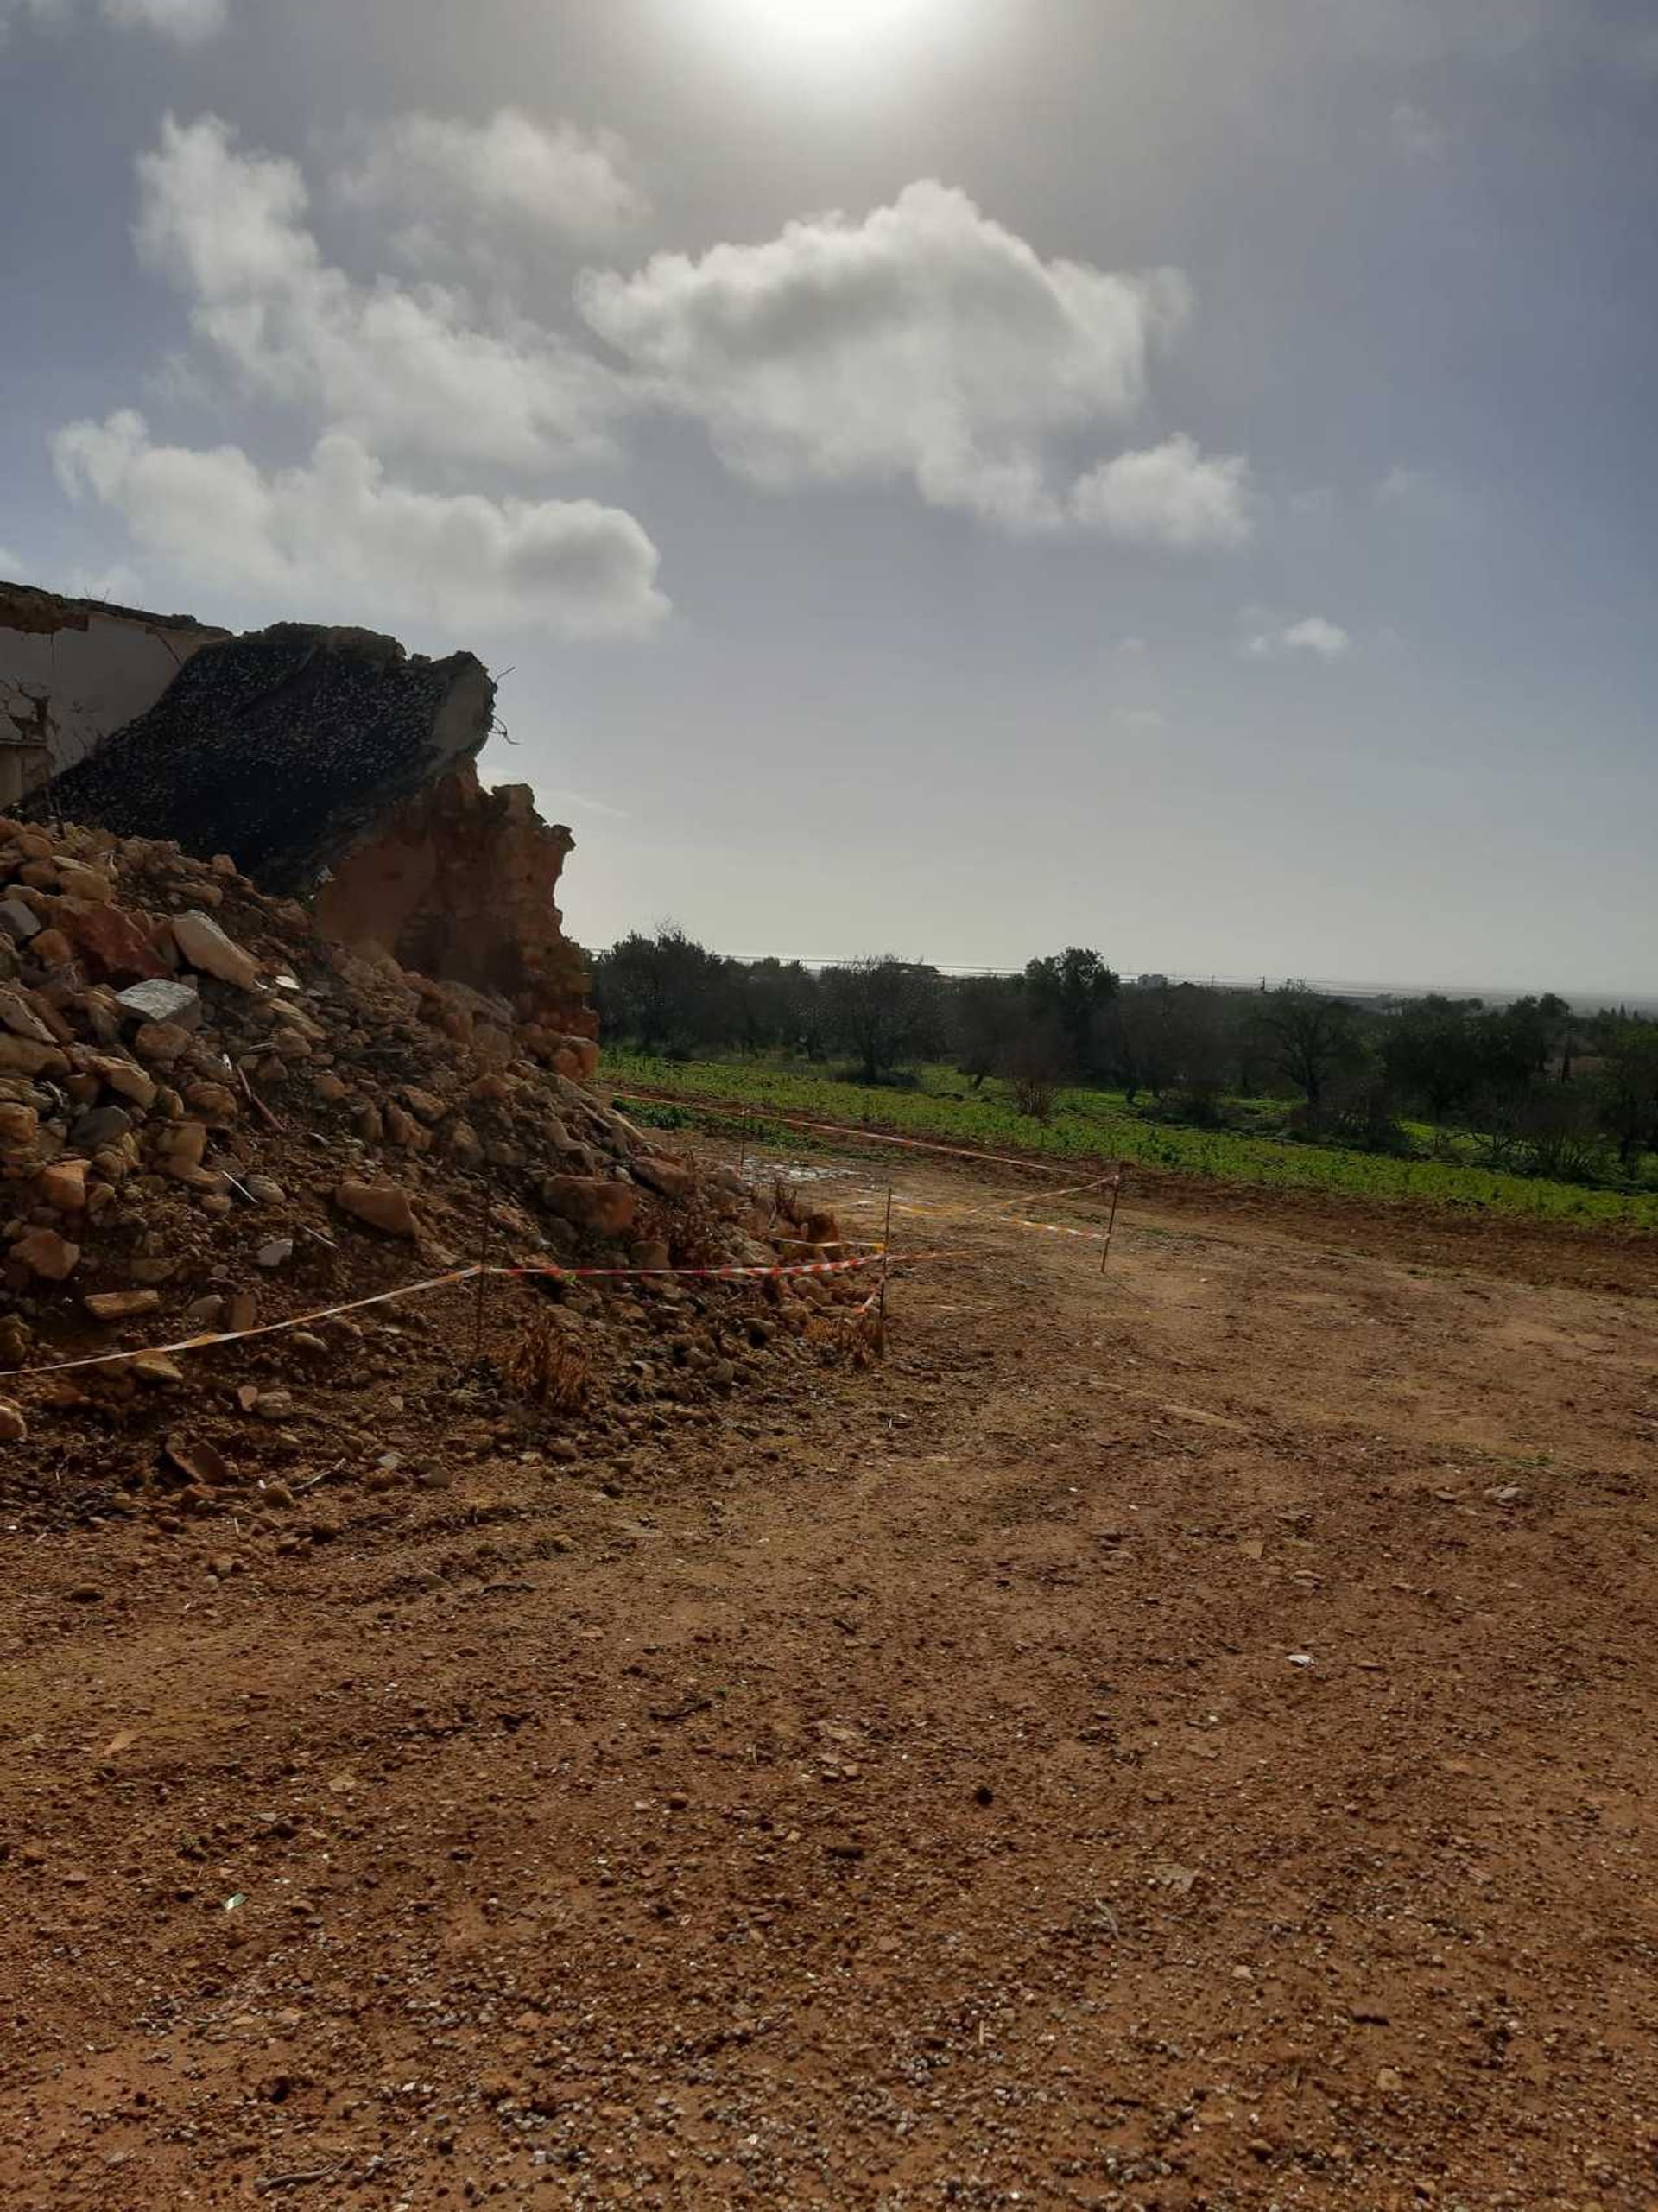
(1171, 1741)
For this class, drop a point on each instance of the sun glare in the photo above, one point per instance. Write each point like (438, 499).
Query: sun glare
(841, 34)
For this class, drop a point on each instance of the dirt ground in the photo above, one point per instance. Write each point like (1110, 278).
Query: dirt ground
(1182, 1739)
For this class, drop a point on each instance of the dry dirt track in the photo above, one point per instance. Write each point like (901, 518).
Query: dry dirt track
(902, 1794)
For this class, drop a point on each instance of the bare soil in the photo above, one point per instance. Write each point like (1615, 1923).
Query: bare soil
(1172, 1739)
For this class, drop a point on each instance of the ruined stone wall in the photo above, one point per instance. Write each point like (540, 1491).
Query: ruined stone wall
(72, 672)
(329, 763)
(461, 883)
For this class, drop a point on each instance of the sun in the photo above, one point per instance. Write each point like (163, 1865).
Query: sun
(838, 34)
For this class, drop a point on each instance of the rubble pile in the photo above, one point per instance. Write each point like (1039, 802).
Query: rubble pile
(212, 1117)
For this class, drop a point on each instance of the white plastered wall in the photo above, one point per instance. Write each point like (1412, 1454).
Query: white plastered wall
(71, 675)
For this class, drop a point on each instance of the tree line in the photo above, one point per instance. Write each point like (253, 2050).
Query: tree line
(1541, 1089)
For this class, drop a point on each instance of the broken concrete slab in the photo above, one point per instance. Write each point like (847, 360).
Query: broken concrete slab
(178, 1005)
(343, 725)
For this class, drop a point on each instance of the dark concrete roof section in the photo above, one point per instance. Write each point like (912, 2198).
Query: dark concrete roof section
(282, 747)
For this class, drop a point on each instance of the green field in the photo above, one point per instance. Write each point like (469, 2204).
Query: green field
(1100, 1124)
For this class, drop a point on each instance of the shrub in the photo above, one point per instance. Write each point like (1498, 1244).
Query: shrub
(1199, 1103)
(1356, 1112)
(546, 1367)
(1034, 1096)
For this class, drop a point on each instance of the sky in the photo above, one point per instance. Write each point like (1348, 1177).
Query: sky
(955, 477)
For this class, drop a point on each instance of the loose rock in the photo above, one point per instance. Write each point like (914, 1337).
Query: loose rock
(47, 1254)
(121, 1305)
(206, 946)
(382, 1206)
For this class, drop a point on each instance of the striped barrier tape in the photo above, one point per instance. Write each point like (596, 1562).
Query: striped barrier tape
(203, 1342)
(1059, 1229)
(827, 1244)
(1112, 1181)
(995, 1212)
(1012, 1221)
(726, 1274)
(209, 1340)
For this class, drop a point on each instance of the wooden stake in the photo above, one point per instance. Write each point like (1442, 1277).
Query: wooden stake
(1116, 1193)
(483, 1280)
(886, 1268)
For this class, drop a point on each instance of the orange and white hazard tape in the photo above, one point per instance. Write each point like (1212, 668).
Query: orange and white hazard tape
(722, 1274)
(995, 1213)
(207, 1341)
(1011, 1221)
(1058, 1229)
(1112, 1181)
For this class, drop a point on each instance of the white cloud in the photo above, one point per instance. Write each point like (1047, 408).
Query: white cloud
(1325, 640)
(511, 173)
(402, 368)
(1169, 496)
(336, 531)
(925, 342)
(187, 21)
(1315, 635)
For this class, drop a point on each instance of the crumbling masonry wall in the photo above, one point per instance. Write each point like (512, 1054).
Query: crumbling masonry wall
(329, 763)
(460, 883)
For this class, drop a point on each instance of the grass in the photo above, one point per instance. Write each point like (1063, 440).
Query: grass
(1100, 1125)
